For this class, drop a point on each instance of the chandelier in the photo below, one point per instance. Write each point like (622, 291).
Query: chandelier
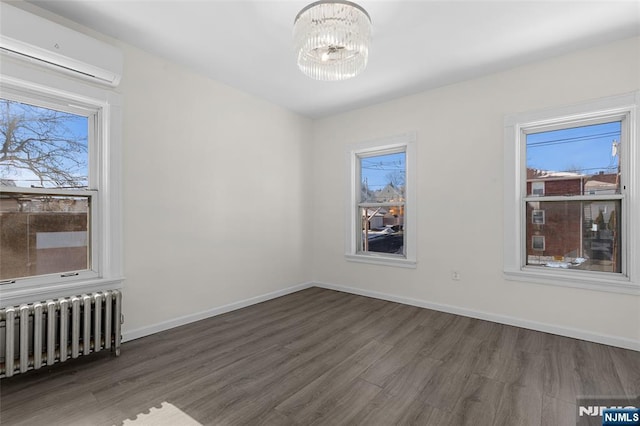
(331, 39)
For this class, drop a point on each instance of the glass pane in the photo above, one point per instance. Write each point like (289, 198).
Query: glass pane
(574, 234)
(383, 229)
(577, 161)
(382, 178)
(42, 148)
(41, 234)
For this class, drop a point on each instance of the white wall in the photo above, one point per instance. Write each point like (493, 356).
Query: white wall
(216, 195)
(223, 204)
(460, 193)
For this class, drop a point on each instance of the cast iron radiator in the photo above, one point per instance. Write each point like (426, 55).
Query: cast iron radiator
(41, 334)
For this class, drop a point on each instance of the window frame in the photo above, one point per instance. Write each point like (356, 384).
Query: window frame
(394, 144)
(516, 127)
(94, 142)
(31, 83)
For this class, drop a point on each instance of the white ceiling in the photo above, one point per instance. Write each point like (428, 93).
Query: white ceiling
(417, 45)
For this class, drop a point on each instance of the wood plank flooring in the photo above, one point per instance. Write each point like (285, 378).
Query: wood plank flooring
(325, 357)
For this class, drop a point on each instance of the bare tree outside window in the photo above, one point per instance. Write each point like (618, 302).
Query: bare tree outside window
(396, 177)
(42, 147)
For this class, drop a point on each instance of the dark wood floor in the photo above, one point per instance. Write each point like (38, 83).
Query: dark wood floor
(324, 357)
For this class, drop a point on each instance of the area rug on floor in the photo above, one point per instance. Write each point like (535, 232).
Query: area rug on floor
(167, 414)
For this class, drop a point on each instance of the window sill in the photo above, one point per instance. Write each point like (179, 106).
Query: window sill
(16, 294)
(381, 260)
(575, 279)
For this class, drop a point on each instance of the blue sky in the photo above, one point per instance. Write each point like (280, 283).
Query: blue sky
(375, 169)
(586, 150)
(72, 126)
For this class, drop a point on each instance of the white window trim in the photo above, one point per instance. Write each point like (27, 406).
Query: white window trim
(28, 79)
(514, 214)
(405, 142)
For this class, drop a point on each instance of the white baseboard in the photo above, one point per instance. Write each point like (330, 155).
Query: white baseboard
(620, 342)
(176, 322)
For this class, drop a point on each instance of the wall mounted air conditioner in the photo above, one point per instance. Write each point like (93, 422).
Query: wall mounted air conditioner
(30, 37)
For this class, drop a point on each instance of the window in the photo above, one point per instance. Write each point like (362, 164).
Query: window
(573, 160)
(572, 211)
(537, 188)
(537, 217)
(537, 242)
(59, 186)
(381, 217)
(45, 205)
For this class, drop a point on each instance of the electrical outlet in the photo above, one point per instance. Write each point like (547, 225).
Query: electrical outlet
(455, 275)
